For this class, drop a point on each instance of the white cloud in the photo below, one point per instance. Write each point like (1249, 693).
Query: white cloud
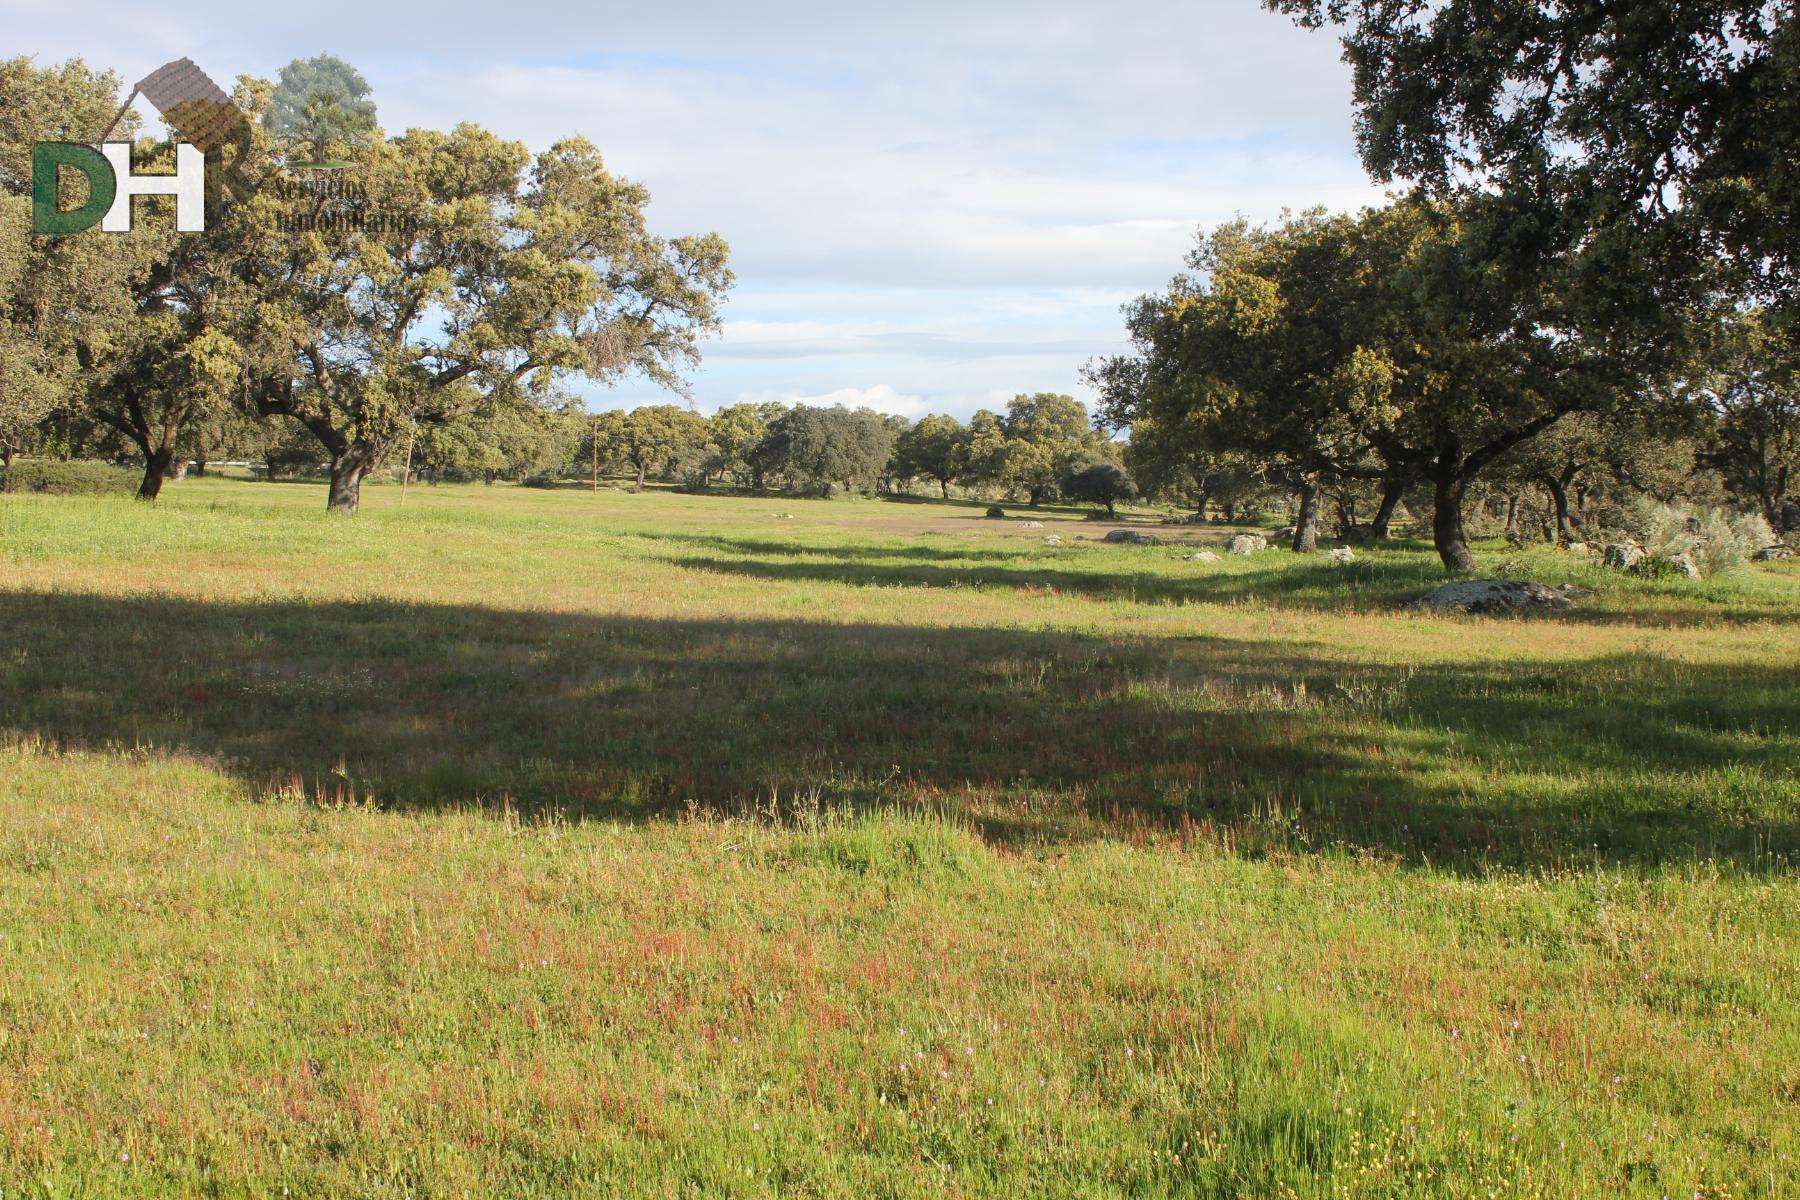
(881, 397)
(952, 198)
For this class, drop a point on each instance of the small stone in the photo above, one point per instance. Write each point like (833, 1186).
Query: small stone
(1343, 554)
(1053, 540)
(1032, 525)
(1203, 556)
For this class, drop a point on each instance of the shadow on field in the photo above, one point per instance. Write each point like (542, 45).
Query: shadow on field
(1375, 582)
(1035, 736)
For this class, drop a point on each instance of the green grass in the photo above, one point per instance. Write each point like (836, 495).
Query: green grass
(525, 842)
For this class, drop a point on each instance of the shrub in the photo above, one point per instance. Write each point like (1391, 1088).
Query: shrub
(996, 512)
(1714, 539)
(69, 478)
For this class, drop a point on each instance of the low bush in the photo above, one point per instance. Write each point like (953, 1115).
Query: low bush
(77, 478)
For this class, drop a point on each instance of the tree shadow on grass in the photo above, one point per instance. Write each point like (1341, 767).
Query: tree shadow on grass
(1032, 735)
(1375, 582)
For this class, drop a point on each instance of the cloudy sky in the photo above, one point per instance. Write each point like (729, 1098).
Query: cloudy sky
(931, 206)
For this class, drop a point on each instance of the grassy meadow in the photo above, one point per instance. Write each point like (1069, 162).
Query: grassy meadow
(544, 843)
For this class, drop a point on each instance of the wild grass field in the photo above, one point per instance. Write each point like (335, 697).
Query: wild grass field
(545, 843)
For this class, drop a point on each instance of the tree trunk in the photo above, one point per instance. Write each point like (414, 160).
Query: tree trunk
(200, 465)
(1567, 528)
(1512, 516)
(643, 470)
(1306, 526)
(347, 471)
(944, 486)
(6, 457)
(1447, 533)
(1231, 512)
(156, 469)
(1391, 491)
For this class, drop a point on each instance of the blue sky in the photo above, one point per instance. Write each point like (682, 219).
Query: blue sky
(931, 207)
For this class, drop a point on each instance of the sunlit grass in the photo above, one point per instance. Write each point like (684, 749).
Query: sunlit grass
(557, 843)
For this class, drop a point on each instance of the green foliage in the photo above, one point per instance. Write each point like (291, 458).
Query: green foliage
(815, 448)
(507, 273)
(58, 478)
(60, 298)
(1380, 345)
(734, 433)
(1102, 483)
(935, 448)
(321, 102)
(1753, 392)
(1668, 131)
(646, 439)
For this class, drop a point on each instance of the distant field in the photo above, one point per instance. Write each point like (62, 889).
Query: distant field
(522, 843)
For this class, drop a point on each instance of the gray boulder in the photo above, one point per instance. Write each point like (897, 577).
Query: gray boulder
(1249, 543)
(1623, 556)
(1343, 554)
(1130, 537)
(1775, 553)
(1498, 597)
(1202, 556)
(1684, 564)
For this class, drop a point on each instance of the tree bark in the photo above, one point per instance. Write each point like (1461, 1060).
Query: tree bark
(1447, 533)
(6, 457)
(1568, 527)
(1391, 491)
(156, 469)
(347, 470)
(1306, 526)
(1512, 516)
(944, 486)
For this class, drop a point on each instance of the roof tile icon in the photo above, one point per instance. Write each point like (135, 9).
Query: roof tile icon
(193, 105)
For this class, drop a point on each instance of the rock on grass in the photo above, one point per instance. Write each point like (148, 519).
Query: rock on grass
(1499, 596)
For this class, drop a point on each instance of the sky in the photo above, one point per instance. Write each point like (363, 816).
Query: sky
(931, 206)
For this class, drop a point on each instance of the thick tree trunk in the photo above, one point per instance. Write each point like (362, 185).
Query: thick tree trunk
(347, 471)
(156, 469)
(1447, 533)
(1306, 526)
(6, 457)
(1512, 516)
(944, 487)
